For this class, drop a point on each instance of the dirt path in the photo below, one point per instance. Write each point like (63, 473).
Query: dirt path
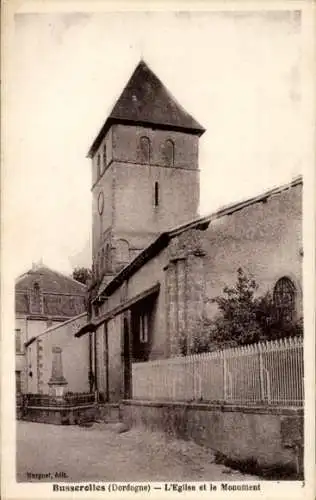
(100, 453)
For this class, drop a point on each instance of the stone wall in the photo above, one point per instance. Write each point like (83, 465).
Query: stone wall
(265, 239)
(270, 437)
(126, 145)
(185, 289)
(135, 211)
(29, 328)
(109, 412)
(101, 223)
(75, 358)
(107, 141)
(59, 416)
(101, 372)
(115, 359)
(129, 187)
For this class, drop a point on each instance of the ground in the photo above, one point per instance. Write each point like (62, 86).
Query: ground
(103, 453)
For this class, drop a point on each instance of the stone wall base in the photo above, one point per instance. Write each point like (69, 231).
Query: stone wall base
(271, 437)
(110, 412)
(59, 416)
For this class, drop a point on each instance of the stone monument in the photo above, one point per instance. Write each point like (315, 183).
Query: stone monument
(57, 382)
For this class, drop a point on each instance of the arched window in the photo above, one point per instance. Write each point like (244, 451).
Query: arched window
(36, 299)
(156, 194)
(122, 251)
(99, 164)
(103, 160)
(144, 150)
(284, 299)
(169, 153)
(104, 154)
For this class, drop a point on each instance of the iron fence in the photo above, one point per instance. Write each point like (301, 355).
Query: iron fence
(45, 400)
(264, 373)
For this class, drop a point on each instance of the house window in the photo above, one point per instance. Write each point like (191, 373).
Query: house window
(18, 382)
(104, 157)
(156, 201)
(144, 150)
(284, 299)
(169, 153)
(143, 328)
(36, 305)
(18, 341)
(72, 304)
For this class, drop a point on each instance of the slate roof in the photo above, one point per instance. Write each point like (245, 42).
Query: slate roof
(62, 296)
(49, 281)
(146, 101)
(21, 302)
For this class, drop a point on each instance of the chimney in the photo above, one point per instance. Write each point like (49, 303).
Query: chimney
(37, 265)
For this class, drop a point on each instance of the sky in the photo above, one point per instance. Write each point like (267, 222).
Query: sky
(238, 74)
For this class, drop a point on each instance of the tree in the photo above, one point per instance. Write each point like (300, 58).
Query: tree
(82, 274)
(237, 319)
(272, 327)
(243, 318)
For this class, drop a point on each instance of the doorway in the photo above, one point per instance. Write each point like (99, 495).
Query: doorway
(127, 366)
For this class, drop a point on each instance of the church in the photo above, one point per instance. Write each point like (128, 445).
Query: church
(157, 265)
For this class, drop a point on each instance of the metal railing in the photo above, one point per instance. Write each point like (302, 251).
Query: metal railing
(264, 373)
(45, 400)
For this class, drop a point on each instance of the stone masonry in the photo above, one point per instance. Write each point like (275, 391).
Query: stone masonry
(185, 283)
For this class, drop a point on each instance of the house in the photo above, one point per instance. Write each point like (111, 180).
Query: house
(157, 264)
(44, 298)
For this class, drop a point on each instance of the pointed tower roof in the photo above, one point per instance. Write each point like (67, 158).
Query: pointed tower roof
(146, 101)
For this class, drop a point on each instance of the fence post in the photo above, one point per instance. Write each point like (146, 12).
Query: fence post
(225, 376)
(268, 386)
(261, 372)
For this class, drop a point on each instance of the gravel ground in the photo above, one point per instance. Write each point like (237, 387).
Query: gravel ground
(103, 453)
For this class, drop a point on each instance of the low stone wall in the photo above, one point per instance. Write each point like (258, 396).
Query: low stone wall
(110, 412)
(272, 437)
(58, 415)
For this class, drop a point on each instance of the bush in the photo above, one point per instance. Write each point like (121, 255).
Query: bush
(243, 318)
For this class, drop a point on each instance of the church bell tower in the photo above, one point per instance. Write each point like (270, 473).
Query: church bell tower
(144, 170)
